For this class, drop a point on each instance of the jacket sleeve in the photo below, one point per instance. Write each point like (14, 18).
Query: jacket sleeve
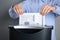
(12, 12)
(56, 3)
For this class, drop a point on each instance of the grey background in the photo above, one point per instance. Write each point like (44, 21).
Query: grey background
(5, 20)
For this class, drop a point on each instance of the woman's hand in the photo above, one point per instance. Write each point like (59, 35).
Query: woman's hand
(18, 9)
(46, 9)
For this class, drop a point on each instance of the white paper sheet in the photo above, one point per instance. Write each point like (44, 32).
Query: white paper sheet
(31, 18)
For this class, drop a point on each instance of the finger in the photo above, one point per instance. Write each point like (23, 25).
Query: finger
(21, 12)
(15, 10)
(49, 10)
(46, 10)
(42, 10)
(20, 9)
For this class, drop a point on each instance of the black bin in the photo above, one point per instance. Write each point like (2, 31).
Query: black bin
(35, 33)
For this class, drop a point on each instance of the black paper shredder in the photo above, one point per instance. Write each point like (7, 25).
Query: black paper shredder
(30, 33)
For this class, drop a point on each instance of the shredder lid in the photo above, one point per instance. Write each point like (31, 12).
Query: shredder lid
(31, 27)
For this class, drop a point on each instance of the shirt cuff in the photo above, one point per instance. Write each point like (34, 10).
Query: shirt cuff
(57, 10)
(12, 13)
